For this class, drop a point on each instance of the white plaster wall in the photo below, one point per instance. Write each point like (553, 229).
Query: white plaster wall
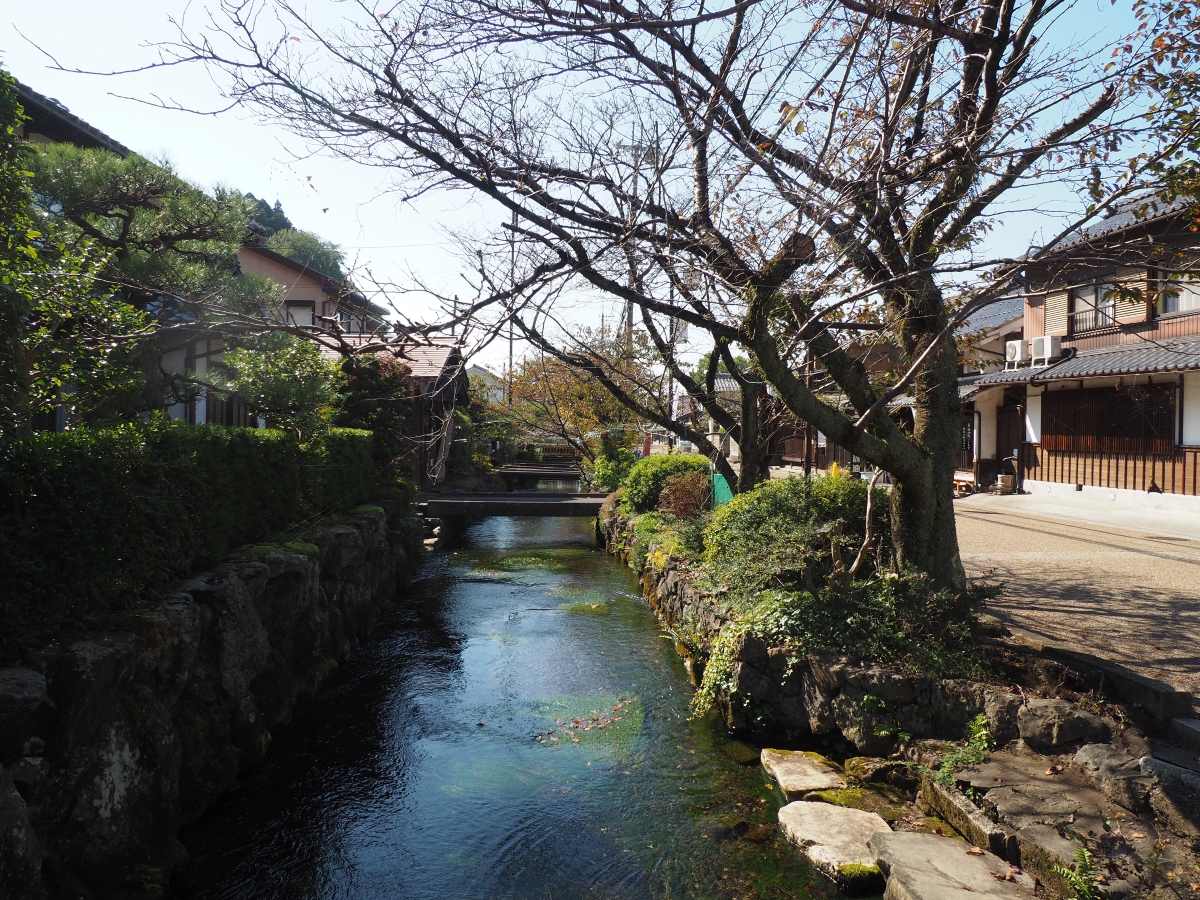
(985, 404)
(1109, 498)
(173, 361)
(1033, 416)
(202, 397)
(1191, 409)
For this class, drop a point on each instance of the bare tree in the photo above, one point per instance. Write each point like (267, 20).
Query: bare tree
(815, 165)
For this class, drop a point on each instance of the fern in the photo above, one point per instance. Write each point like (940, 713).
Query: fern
(979, 742)
(1083, 877)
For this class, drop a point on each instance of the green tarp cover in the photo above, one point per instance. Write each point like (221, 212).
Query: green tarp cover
(721, 492)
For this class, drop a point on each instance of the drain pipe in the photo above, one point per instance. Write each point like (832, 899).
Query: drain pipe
(1068, 353)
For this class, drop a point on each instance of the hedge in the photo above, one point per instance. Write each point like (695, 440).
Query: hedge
(91, 520)
(646, 479)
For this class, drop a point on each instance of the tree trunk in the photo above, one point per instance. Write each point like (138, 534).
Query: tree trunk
(924, 532)
(748, 440)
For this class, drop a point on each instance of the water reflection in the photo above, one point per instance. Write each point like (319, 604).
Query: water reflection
(517, 727)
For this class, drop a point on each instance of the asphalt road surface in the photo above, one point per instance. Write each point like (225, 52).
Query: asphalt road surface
(1129, 596)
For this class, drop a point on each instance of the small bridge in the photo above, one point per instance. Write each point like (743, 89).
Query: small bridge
(542, 471)
(440, 506)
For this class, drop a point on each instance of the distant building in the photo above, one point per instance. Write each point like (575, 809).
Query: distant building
(52, 123)
(495, 388)
(439, 384)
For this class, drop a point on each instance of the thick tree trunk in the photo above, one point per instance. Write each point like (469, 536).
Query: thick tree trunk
(924, 532)
(748, 440)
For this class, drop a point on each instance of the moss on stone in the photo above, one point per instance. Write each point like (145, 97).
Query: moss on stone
(859, 879)
(369, 508)
(888, 804)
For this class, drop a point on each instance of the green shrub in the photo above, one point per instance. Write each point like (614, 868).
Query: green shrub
(781, 533)
(686, 496)
(611, 468)
(648, 476)
(669, 536)
(92, 520)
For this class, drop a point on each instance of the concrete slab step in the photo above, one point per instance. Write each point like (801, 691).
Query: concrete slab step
(1187, 730)
(798, 773)
(929, 867)
(834, 840)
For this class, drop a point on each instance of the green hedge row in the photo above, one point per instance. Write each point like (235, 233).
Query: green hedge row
(89, 520)
(647, 477)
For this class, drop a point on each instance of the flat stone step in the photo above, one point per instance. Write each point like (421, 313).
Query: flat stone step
(1187, 730)
(834, 841)
(929, 867)
(798, 773)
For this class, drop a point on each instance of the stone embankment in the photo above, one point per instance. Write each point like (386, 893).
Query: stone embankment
(110, 742)
(915, 810)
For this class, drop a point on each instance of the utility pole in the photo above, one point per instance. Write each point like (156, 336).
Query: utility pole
(512, 278)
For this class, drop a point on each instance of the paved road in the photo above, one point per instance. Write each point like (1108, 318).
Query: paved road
(1130, 596)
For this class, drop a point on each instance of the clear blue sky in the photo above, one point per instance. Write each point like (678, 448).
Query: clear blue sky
(337, 199)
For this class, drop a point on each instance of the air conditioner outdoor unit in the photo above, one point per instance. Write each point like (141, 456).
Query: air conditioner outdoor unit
(1045, 348)
(1015, 353)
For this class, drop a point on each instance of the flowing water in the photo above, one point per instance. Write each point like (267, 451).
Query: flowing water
(516, 726)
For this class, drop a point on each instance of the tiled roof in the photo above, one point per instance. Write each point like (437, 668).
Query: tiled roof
(1127, 214)
(426, 360)
(1144, 358)
(726, 384)
(996, 314)
(40, 107)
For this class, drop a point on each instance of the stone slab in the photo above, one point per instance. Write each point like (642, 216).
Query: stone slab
(798, 773)
(1161, 700)
(834, 840)
(929, 867)
(968, 820)
(1175, 797)
(1187, 730)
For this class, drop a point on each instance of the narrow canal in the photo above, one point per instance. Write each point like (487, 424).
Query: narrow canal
(517, 726)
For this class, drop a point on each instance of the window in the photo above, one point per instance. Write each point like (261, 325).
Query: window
(1093, 306)
(1133, 419)
(1177, 292)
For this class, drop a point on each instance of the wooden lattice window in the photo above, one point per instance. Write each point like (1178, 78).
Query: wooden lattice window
(1138, 419)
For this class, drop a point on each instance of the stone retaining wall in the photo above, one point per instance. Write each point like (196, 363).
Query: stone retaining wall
(111, 742)
(780, 694)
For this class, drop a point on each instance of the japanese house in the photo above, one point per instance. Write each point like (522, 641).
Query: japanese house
(440, 383)
(1100, 389)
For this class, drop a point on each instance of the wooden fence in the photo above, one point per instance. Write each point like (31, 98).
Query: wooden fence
(1172, 473)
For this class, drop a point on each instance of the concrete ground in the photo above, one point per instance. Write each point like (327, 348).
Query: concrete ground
(1124, 585)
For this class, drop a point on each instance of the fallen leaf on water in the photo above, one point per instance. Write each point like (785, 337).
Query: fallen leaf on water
(574, 740)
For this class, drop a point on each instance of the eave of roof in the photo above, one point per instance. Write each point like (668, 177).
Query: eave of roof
(1148, 358)
(1126, 217)
(51, 108)
(328, 284)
